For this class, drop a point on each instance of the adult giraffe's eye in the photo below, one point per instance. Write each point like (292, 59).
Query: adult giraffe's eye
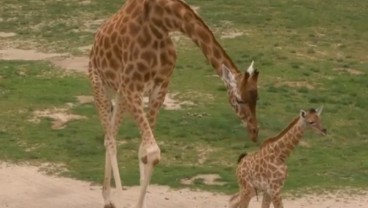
(239, 101)
(311, 122)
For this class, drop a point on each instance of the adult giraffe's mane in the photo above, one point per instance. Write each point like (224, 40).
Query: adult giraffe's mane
(181, 27)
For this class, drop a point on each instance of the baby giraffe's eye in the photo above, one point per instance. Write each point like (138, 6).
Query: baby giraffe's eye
(311, 122)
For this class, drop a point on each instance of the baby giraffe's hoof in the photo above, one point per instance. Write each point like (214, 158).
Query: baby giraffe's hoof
(110, 205)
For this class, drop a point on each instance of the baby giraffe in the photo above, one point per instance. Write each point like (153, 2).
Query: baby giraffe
(265, 170)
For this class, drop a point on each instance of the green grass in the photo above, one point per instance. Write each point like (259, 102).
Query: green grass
(303, 41)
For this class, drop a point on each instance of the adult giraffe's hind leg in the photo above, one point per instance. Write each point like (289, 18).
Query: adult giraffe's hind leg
(106, 188)
(110, 121)
(111, 156)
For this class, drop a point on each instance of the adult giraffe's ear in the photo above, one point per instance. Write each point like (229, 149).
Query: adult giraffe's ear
(302, 114)
(227, 76)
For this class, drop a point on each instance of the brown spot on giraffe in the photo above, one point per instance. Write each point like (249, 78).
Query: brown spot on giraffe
(144, 160)
(155, 45)
(116, 49)
(155, 162)
(110, 75)
(205, 37)
(110, 29)
(217, 53)
(140, 87)
(137, 77)
(134, 28)
(114, 37)
(134, 56)
(265, 169)
(150, 57)
(142, 67)
(109, 55)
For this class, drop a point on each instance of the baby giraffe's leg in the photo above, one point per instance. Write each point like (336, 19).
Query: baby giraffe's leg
(277, 201)
(245, 196)
(234, 200)
(266, 202)
(277, 186)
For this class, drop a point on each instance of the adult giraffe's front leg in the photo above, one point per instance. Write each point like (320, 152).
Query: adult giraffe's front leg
(156, 99)
(149, 153)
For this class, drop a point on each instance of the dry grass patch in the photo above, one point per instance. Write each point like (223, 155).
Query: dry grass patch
(27, 55)
(7, 34)
(78, 64)
(59, 116)
(350, 71)
(296, 84)
(207, 179)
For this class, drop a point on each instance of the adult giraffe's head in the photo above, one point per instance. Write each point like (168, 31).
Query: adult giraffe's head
(243, 96)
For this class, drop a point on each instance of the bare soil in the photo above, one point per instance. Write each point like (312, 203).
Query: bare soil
(27, 55)
(59, 116)
(7, 34)
(25, 186)
(78, 64)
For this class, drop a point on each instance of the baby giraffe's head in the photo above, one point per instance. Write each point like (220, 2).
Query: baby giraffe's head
(312, 119)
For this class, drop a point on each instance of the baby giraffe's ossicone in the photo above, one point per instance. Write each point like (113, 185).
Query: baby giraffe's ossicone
(265, 170)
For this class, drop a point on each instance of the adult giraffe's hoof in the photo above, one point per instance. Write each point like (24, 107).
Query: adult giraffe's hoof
(110, 205)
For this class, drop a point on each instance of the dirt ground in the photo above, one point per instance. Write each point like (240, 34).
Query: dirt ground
(25, 186)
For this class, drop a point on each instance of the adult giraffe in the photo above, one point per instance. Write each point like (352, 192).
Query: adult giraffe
(133, 55)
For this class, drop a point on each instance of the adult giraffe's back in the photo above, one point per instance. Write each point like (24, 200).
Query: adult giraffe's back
(133, 55)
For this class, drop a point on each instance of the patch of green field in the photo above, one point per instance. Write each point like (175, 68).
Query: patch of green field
(318, 44)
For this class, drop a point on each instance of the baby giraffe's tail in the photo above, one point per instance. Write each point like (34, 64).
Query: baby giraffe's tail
(234, 201)
(241, 156)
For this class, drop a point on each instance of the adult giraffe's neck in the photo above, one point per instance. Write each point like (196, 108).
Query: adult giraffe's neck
(175, 15)
(283, 144)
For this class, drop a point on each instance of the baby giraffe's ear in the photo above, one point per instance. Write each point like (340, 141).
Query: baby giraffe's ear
(319, 110)
(302, 114)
